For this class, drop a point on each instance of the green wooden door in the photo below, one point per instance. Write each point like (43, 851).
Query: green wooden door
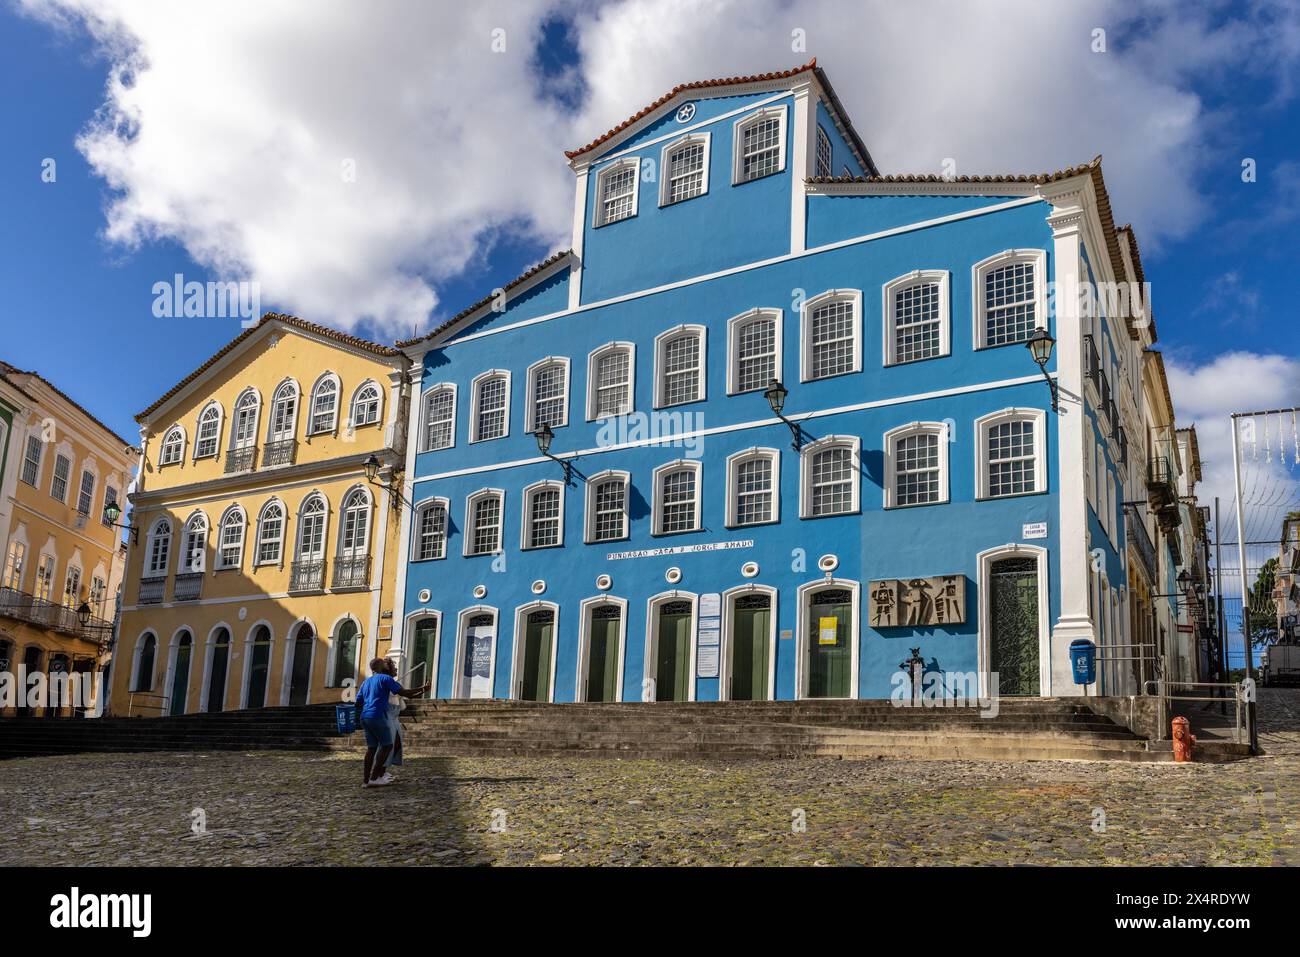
(217, 678)
(258, 667)
(180, 676)
(830, 644)
(1013, 615)
(345, 661)
(422, 664)
(750, 634)
(300, 679)
(539, 639)
(602, 654)
(673, 654)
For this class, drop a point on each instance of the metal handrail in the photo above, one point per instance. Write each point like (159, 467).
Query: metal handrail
(130, 704)
(1240, 726)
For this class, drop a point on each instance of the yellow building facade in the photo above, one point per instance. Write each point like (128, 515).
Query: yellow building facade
(62, 562)
(264, 558)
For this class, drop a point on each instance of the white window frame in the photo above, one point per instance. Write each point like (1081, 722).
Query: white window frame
(589, 509)
(279, 540)
(379, 406)
(593, 360)
(213, 406)
(665, 184)
(232, 512)
(661, 344)
(474, 409)
(150, 569)
(328, 377)
(854, 298)
(287, 387)
(1038, 258)
(163, 460)
(424, 416)
(531, 424)
(806, 455)
(467, 534)
(89, 494)
(734, 461)
(891, 440)
(60, 456)
(889, 300)
(251, 441)
(425, 505)
(298, 554)
(823, 140)
(360, 548)
(738, 135)
(734, 325)
(657, 507)
(525, 526)
(33, 442)
(185, 563)
(984, 424)
(598, 202)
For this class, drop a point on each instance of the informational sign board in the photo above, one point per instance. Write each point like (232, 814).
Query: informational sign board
(916, 602)
(1033, 530)
(827, 628)
(709, 636)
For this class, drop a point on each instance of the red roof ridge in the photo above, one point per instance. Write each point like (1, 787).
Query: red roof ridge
(681, 88)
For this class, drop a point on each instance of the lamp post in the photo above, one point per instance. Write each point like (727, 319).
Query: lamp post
(371, 467)
(775, 394)
(1040, 346)
(544, 436)
(112, 512)
(83, 614)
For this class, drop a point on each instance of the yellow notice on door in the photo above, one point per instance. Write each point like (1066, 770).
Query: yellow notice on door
(827, 630)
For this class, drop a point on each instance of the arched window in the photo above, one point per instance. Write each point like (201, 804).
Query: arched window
(916, 313)
(543, 520)
(685, 166)
(483, 519)
(679, 365)
(270, 533)
(173, 446)
(311, 528)
(194, 544)
(916, 465)
(611, 375)
(431, 531)
(324, 405)
(158, 548)
(490, 416)
(1011, 460)
(230, 546)
(208, 434)
(830, 477)
(759, 147)
(354, 524)
(607, 507)
(832, 334)
(548, 394)
(440, 418)
(145, 650)
(754, 350)
(616, 191)
(366, 404)
(284, 413)
(677, 497)
(243, 425)
(753, 484)
(1010, 294)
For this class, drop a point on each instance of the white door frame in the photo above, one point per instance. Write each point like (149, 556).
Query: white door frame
(585, 608)
(209, 651)
(728, 611)
(430, 675)
(462, 626)
(521, 631)
(805, 593)
(984, 564)
(247, 667)
(652, 637)
(290, 650)
(173, 647)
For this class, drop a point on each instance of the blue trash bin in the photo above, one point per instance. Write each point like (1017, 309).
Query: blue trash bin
(345, 716)
(1083, 661)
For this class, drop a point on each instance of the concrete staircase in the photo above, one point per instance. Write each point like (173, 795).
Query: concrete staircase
(1023, 730)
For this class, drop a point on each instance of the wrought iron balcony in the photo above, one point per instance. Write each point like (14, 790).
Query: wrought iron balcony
(1160, 483)
(284, 452)
(241, 460)
(42, 613)
(307, 576)
(188, 587)
(151, 590)
(351, 572)
(1140, 541)
(1091, 361)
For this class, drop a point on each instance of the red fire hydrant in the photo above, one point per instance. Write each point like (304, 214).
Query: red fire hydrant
(1184, 740)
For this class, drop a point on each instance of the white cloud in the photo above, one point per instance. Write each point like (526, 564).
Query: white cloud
(230, 135)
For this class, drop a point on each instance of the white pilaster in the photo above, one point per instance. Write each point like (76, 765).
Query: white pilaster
(416, 419)
(579, 230)
(802, 143)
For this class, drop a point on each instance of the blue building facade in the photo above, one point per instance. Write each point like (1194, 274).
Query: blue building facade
(791, 428)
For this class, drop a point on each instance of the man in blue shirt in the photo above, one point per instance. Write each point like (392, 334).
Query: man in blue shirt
(372, 715)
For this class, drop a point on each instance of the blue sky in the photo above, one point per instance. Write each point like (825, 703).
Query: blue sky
(472, 185)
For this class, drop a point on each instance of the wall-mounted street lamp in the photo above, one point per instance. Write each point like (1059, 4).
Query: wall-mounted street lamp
(371, 466)
(544, 436)
(775, 395)
(112, 512)
(1040, 346)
